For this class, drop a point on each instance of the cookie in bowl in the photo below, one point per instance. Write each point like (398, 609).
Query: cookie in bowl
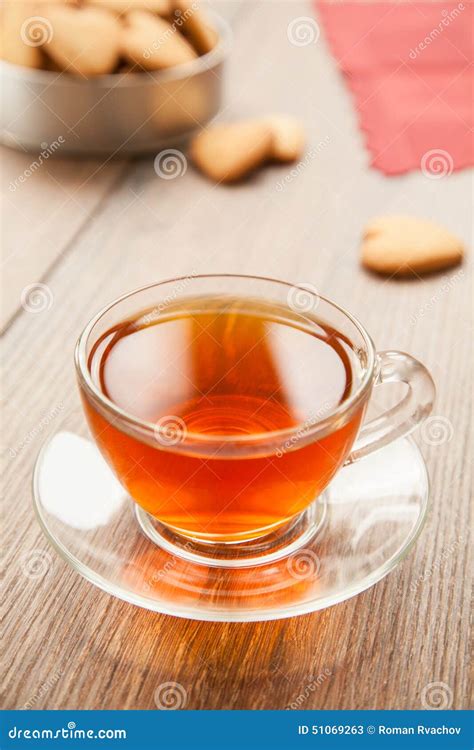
(109, 76)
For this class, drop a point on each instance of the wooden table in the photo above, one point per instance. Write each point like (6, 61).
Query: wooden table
(91, 230)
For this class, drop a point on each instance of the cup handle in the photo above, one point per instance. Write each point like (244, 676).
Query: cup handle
(396, 367)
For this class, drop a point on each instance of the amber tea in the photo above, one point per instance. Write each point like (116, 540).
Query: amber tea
(212, 376)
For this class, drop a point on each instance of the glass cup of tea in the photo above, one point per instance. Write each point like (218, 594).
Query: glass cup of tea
(226, 404)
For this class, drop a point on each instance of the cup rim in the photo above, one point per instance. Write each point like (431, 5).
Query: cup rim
(348, 405)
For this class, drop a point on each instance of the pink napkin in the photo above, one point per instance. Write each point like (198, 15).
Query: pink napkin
(409, 66)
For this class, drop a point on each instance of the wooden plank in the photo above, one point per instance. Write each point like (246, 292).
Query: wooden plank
(46, 200)
(72, 646)
(44, 205)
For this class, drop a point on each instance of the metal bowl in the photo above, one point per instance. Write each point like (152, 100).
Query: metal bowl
(113, 114)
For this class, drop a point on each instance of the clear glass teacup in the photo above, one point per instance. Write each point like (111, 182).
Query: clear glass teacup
(226, 404)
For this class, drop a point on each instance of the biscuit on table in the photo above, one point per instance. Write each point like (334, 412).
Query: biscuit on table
(228, 152)
(403, 245)
(288, 138)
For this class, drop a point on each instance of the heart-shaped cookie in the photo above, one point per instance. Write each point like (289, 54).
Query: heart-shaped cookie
(21, 34)
(288, 138)
(228, 152)
(153, 43)
(162, 7)
(404, 245)
(83, 40)
(195, 25)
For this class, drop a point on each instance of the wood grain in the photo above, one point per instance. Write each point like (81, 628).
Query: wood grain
(69, 645)
(43, 213)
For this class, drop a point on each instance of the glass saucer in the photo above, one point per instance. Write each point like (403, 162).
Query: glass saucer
(364, 525)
